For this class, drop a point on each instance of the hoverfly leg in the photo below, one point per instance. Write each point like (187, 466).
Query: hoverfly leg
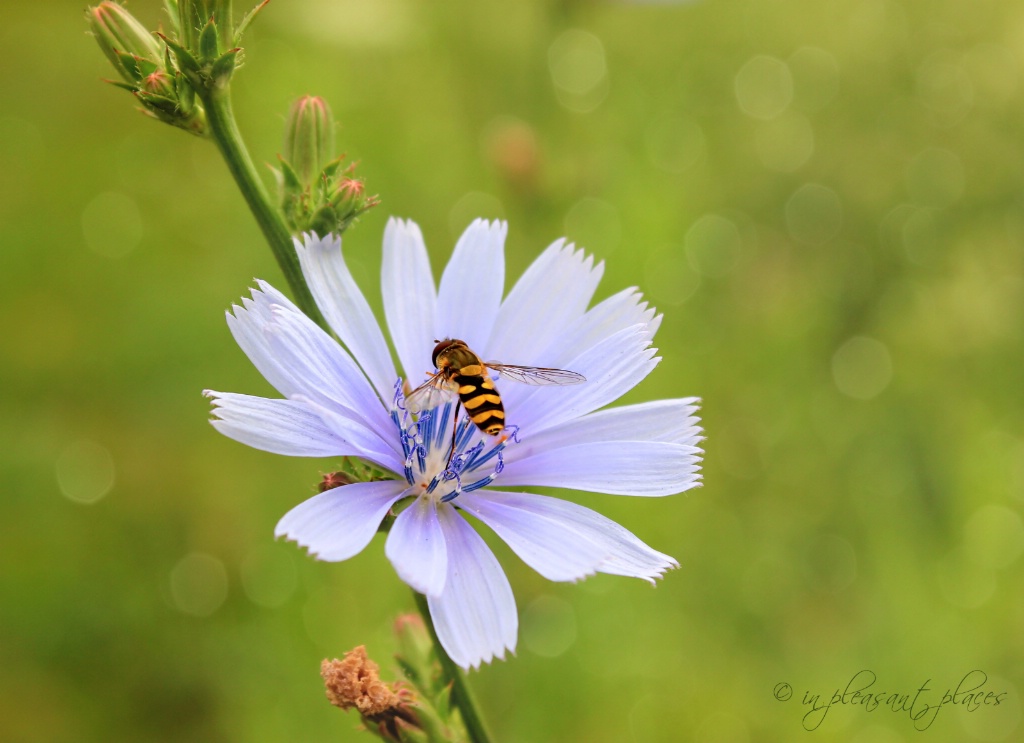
(455, 430)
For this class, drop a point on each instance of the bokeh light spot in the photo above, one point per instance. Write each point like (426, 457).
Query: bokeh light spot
(862, 368)
(994, 537)
(548, 626)
(713, 245)
(992, 69)
(199, 584)
(577, 63)
(85, 471)
(112, 224)
(386, 23)
(269, 577)
(764, 87)
(579, 71)
(670, 280)
(511, 145)
(814, 214)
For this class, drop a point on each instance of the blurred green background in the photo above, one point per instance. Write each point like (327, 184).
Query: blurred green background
(825, 199)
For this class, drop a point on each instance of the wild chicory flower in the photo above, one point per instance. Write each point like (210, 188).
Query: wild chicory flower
(349, 400)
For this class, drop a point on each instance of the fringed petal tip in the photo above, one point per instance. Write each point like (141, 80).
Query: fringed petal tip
(476, 664)
(283, 536)
(311, 239)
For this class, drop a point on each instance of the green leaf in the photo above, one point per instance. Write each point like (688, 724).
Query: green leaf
(246, 20)
(130, 64)
(224, 67)
(185, 61)
(208, 46)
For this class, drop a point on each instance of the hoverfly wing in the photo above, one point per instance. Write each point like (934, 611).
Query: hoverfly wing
(536, 375)
(432, 393)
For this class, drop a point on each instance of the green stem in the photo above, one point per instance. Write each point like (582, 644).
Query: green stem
(461, 696)
(225, 133)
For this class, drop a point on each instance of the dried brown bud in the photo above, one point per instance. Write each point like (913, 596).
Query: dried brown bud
(334, 480)
(354, 683)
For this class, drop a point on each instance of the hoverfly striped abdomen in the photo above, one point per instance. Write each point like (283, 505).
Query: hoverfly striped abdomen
(480, 398)
(476, 390)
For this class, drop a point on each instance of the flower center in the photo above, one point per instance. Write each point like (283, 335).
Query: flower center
(445, 457)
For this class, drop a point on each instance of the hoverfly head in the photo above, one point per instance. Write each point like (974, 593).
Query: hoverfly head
(443, 346)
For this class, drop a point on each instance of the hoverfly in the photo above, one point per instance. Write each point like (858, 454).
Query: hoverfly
(461, 372)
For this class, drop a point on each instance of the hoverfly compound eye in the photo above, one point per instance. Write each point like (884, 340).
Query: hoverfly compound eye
(443, 346)
(440, 348)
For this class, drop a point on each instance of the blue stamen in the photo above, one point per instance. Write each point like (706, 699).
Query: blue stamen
(442, 425)
(421, 456)
(496, 451)
(408, 470)
(426, 420)
(463, 437)
(428, 433)
(478, 484)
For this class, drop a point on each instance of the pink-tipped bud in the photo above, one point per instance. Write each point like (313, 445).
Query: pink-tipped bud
(158, 83)
(309, 137)
(123, 39)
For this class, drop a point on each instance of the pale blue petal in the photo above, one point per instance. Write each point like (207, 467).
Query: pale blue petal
(475, 617)
(298, 358)
(410, 299)
(672, 421)
(416, 547)
(612, 368)
(615, 314)
(472, 285)
(649, 468)
(327, 371)
(564, 541)
(247, 324)
(346, 309)
(552, 294)
(278, 426)
(339, 523)
(538, 534)
(359, 437)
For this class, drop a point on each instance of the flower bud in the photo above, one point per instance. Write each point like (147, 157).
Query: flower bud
(144, 63)
(334, 480)
(318, 193)
(125, 41)
(416, 651)
(354, 683)
(309, 138)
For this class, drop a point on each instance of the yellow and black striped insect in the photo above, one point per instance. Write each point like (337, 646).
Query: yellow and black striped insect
(461, 372)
